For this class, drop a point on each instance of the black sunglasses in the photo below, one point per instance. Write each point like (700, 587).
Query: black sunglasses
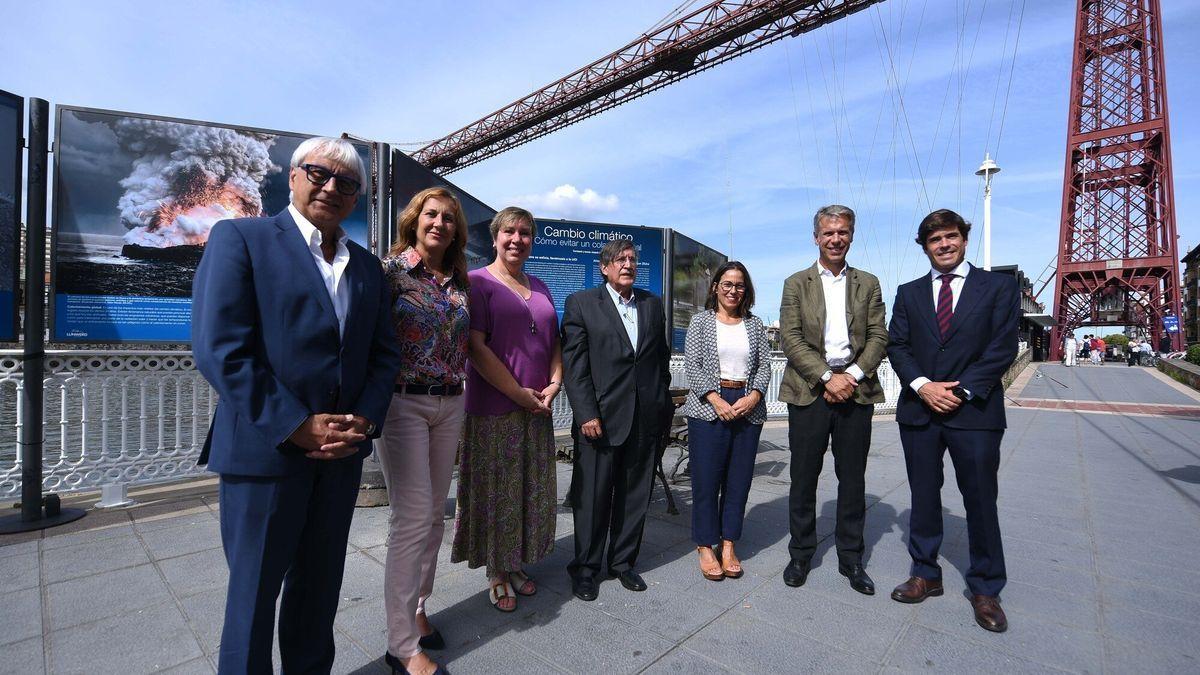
(319, 175)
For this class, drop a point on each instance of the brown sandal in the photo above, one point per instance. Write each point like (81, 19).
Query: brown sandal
(522, 583)
(711, 571)
(501, 591)
(730, 565)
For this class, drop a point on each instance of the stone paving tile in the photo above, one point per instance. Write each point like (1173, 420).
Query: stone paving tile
(205, 613)
(1069, 607)
(683, 661)
(361, 580)
(18, 572)
(1125, 656)
(103, 595)
(502, 655)
(1169, 602)
(173, 515)
(143, 641)
(80, 560)
(19, 548)
(176, 541)
(611, 644)
(1149, 629)
(200, 666)
(195, 572)
(23, 658)
(20, 615)
(57, 538)
(1028, 637)
(868, 633)
(923, 648)
(741, 642)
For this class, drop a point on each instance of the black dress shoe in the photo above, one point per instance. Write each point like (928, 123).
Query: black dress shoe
(432, 641)
(630, 580)
(796, 573)
(399, 669)
(584, 588)
(859, 580)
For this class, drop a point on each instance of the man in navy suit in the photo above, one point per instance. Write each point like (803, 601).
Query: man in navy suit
(616, 365)
(952, 337)
(291, 324)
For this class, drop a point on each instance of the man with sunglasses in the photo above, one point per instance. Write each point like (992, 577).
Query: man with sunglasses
(291, 325)
(831, 322)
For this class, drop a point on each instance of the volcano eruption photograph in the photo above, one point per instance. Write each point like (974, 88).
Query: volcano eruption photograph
(135, 198)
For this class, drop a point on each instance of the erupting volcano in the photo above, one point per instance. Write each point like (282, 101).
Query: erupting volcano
(184, 180)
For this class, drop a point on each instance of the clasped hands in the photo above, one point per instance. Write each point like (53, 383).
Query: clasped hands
(536, 402)
(840, 388)
(325, 436)
(727, 412)
(939, 396)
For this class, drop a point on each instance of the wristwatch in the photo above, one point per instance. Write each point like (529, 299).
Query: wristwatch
(371, 426)
(959, 392)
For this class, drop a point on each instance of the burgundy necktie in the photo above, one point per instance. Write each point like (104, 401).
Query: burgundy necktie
(945, 305)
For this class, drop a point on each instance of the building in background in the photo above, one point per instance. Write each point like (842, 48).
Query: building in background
(1035, 323)
(1191, 297)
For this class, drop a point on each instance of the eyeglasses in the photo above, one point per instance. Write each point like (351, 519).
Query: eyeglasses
(319, 175)
(626, 259)
(727, 286)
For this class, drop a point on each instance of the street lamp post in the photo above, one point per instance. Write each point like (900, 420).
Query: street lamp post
(986, 170)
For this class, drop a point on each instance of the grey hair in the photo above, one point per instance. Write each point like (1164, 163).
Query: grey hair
(833, 211)
(509, 214)
(614, 248)
(339, 150)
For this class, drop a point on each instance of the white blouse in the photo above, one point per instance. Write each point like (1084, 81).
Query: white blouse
(733, 351)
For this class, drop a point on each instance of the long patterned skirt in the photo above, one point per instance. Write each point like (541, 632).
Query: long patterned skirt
(507, 493)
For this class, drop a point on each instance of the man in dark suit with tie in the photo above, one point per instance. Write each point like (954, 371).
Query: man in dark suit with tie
(291, 325)
(616, 365)
(952, 337)
(831, 324)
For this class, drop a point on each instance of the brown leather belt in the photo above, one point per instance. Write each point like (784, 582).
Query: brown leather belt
(733, 384)
(430, 389)
(837, 369)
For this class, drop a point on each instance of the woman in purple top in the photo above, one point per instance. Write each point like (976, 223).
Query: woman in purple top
(506, 475)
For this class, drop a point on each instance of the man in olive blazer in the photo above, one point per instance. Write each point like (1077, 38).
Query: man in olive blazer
(831, 323)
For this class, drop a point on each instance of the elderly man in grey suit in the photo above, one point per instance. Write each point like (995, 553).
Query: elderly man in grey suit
(831, 322)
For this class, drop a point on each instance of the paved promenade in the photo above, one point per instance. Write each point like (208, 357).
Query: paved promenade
(1100, 511)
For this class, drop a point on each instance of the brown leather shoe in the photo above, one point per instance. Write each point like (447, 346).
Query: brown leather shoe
(916, 589)
(988, 613)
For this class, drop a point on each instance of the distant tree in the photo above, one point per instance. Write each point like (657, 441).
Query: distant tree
(1115, 340)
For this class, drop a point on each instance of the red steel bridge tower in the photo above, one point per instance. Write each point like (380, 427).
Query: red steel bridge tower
(1118, 262)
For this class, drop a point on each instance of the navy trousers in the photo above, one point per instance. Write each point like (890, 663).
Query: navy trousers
(976, 457)
(290, 531)
(721, 462)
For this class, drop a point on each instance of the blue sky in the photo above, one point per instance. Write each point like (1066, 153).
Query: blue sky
(759, 142)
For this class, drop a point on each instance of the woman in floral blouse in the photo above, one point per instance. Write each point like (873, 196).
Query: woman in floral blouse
(427, 270)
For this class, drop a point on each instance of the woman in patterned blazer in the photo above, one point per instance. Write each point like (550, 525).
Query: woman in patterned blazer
(728, 370)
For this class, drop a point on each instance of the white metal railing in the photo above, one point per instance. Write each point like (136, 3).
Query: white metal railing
(123, 417)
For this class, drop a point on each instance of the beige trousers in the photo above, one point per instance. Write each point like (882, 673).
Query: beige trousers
(416, 451)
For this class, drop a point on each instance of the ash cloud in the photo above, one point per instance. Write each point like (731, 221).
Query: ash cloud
(186, 177)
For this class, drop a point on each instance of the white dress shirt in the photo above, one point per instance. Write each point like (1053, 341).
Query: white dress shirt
(956, 286)
(334, 274)
(837, 332)
(628, 311)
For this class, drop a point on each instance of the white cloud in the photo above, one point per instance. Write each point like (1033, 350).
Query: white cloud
(567, 201)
